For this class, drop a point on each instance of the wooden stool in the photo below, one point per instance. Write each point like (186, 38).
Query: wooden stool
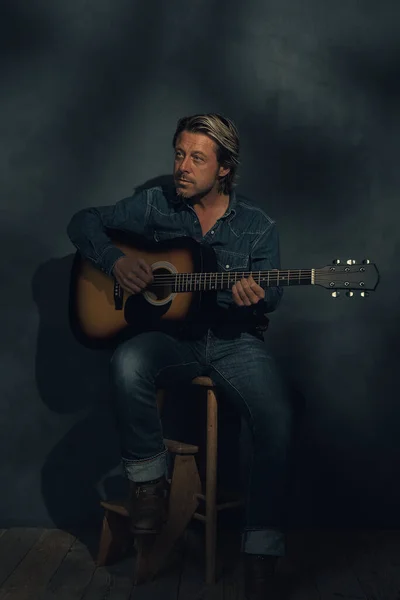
(185, 495)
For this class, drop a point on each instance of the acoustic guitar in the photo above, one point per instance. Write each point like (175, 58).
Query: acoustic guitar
(185, 276)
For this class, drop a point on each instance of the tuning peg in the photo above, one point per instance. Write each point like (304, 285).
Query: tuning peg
(350, 261)
(335, 294)
(364, 294)
(336, 261)
(366, 261)
(349, 294)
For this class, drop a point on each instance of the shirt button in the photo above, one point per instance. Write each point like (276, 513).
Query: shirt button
(212, 232)
(226, 266)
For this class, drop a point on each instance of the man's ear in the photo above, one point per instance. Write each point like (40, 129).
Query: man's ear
(223, 171)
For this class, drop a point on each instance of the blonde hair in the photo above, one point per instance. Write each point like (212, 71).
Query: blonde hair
(224, 133)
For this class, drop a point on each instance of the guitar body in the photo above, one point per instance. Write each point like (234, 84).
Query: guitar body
(98, 316)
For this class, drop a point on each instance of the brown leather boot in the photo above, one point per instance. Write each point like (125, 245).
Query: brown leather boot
(148, 506)
(260, 582)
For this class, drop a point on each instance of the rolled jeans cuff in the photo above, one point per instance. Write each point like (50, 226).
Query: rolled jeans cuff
(146, 469)
(269, 542)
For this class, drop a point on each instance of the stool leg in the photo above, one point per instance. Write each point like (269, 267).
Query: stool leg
(115, 539)
(211, 486)
(183, 501)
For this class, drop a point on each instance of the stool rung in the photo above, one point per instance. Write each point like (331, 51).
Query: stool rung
(118, 507)
(199, 517)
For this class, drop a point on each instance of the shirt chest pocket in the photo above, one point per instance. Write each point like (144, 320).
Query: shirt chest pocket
(231, 261)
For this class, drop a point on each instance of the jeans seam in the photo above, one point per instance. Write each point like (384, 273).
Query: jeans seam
(174, 366)
(251, 427)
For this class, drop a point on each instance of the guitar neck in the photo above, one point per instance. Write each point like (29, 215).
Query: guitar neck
(189, 282)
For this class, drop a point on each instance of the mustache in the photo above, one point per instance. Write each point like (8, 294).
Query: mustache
(183, 179)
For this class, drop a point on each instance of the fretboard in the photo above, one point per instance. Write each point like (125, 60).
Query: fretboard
(189, 282)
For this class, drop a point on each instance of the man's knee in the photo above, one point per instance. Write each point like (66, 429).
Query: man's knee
(135, 357)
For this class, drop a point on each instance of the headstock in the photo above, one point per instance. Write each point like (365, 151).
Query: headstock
(350, 276)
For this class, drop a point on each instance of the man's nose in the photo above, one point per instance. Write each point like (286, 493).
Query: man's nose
(184, 165)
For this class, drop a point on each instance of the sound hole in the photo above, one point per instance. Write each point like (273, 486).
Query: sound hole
(159, 292)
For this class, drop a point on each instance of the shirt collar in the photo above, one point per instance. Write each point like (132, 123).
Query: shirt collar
(231, 210)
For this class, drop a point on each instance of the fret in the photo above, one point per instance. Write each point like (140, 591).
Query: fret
(288, 278)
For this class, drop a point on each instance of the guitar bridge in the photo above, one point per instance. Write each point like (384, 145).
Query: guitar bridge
(118, 296)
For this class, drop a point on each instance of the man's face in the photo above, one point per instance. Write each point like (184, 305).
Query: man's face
(196, 169)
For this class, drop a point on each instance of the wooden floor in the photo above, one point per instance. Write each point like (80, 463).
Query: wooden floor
(43, 564)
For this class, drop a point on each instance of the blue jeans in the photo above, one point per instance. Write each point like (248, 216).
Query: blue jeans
(247, 375)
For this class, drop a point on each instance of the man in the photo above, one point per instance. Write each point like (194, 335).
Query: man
(228, 347)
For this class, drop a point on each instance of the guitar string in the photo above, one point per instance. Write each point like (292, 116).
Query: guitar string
(282, 274)
(204, 278)
(271, 275)
(226, 285)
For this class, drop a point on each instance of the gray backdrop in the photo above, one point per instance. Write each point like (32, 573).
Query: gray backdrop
(90, 96)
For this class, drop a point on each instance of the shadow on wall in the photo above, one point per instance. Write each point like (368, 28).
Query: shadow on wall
(71, 379)
(84, 465)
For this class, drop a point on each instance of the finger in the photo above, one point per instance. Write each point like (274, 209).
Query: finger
(146, 268)
(132, 277)
(236, 297)
(133, 281)
(257, 289)
(145, 275)
(242, 294)
(251, 295)
(131, 288)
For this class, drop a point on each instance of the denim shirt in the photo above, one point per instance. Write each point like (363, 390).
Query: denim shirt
(243, 239)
